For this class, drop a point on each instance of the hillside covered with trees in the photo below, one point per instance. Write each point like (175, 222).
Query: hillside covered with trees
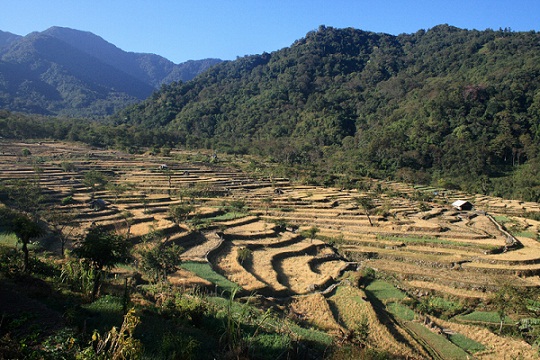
(450, 106)
(68, 72)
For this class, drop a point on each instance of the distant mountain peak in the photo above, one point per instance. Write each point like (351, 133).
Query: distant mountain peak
(76, 72)
(6, 38)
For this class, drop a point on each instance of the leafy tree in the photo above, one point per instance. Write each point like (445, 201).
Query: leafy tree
(24, 228)
(365, 203)
(267, 202)
(161, 260)
(116, 189)
(237, 205)
(180, 213)
(506, 299)
(25, 196)
(95, 180)
(311, 233)
(102, 249)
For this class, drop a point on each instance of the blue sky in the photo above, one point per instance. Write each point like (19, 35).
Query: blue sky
(181, 30)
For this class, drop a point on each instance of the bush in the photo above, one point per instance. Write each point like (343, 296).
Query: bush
(440, 307)
(117, 343)
(178, 346)
(237, 205)
(366, 276)
(191, 308)
(67, 200)
(10, 260)
(67, 166)
(243, 254)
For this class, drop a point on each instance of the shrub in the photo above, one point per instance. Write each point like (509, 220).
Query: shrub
(191, 308)
(67, 200)
(10, 260)
(440, 307)
(178, 346)
(366, 276)
(67, 166)
(237, 205)
(117, 343)
(243, 254)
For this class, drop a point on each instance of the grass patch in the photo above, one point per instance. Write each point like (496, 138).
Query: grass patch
(466, 344)
(441, 307)
(527, 234)
(501, 219)
(207, 222)
(8, 239)
(108, 312)
(415, 240)
(385, 291)
(345, 292)
(484, 316)
(126, 267)
(267, 344)
(204, 270)
(311, 335)
(400, 311)
(438, 342)
(106, 304)
(233, 215)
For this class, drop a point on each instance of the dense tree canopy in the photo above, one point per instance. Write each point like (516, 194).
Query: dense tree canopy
(454, 107)
(446, 104)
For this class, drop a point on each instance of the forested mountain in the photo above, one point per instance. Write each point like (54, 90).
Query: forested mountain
(7, 38)
(149, 68)
(452, 106)
(70, 72)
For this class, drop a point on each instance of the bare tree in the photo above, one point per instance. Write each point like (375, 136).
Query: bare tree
(62, 225)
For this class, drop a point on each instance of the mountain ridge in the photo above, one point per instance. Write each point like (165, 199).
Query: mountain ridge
(7, 38)
(446, 105)
(63, 71)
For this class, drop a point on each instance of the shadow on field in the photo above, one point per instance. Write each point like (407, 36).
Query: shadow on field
(386, 318)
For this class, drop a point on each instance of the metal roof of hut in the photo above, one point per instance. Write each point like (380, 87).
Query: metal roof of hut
(462, 205)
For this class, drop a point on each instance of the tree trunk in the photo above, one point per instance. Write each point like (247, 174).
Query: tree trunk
(63, 246)
(369, 219)
(26, 255)
(95, 288)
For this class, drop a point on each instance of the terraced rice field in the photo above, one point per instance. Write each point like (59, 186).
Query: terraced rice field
(427, 246)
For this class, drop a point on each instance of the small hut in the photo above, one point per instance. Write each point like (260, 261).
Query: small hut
(462, 205)
(97, 204)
